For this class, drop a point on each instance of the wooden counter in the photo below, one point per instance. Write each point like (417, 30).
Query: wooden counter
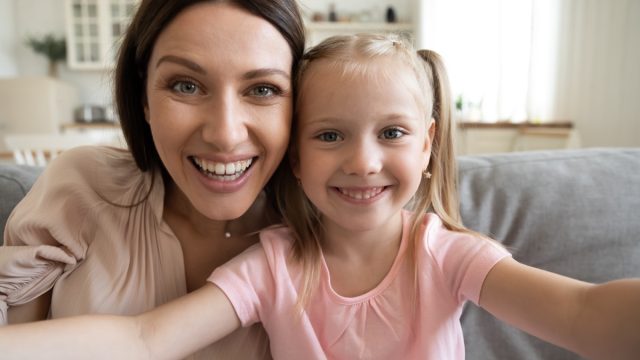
(494, 137)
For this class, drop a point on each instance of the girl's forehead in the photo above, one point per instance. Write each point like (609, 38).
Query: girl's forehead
(380, 72)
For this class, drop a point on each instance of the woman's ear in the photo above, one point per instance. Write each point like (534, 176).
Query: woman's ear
(146, 112)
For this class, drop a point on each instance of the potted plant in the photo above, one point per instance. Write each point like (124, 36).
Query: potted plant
(52, 47)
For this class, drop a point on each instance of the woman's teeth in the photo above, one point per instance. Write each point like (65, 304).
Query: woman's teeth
(222, 171)
(361, 194)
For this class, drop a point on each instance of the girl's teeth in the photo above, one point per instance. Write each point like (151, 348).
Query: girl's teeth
(362, 195)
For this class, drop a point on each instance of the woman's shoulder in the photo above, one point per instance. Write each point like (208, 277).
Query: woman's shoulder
(98, 172)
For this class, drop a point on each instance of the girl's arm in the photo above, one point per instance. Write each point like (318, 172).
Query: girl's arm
(171, 331)
(595, 321)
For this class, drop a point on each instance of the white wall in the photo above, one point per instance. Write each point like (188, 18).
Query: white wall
(7, 39)
(599, 70)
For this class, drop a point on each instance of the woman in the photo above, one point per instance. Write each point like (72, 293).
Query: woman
(204, 94)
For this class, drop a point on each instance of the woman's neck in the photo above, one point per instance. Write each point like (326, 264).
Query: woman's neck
(178, 207)
(203, 241)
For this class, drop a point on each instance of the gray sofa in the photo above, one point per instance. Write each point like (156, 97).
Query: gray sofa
(573, 212)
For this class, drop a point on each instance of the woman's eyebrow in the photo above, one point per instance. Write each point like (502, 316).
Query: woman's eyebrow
(266, 72)
(182, 61)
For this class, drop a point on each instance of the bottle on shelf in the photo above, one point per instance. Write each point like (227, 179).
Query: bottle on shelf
(391, 15)
(333, 16)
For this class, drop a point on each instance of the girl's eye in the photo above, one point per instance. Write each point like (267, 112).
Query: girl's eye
(392, 133)
(264, 91)
(329, 136)
(185, 87)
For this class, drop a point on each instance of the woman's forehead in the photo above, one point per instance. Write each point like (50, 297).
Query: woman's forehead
(220, 31)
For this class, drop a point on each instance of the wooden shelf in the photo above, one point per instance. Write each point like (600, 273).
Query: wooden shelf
(514, 125)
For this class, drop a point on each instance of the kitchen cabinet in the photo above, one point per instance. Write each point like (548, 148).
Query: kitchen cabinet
(94, 29)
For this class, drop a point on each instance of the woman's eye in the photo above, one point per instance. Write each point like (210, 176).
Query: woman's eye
(392, 133)
(185, 87)
(264, 91)
(329, 136)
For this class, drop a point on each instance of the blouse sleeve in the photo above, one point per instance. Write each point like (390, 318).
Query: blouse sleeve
(463, 259)
(42, 238)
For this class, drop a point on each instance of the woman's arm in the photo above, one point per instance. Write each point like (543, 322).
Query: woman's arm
(171, 331)
(36, 310)
(596, 321)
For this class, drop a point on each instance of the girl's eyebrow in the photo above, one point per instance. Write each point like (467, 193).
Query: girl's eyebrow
(182, 61)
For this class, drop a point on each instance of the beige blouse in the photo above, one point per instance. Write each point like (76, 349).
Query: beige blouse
(74, 232)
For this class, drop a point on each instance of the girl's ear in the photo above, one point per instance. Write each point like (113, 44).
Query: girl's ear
(428, 142)
(294, 162)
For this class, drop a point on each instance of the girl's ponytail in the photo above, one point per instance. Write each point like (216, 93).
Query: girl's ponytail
(442, 190)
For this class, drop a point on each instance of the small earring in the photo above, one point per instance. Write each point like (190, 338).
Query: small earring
(298, 181)
(426, 174)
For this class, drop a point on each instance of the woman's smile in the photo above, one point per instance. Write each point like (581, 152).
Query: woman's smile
(222, 171)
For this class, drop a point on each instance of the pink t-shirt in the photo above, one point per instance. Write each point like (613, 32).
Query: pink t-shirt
(262, 285)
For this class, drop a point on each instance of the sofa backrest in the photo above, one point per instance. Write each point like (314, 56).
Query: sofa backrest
(15, 181)
(573, 212)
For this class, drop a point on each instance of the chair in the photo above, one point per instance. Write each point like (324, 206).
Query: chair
(39, 149)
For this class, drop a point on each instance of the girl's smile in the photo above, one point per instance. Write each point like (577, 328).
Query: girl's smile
(363, 195)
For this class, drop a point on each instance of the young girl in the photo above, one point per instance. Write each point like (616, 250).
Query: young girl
(355, 275)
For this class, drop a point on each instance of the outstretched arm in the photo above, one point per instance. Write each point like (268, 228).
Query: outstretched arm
(171, 331)
(596, 321)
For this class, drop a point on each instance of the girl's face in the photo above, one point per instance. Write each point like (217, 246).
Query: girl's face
(362, 143)
(219, 106)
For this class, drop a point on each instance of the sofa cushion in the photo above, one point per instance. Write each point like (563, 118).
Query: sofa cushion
(573, 212)
(15, 181)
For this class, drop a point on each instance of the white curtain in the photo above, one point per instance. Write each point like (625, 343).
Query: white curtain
(500, 54)
(542, 60)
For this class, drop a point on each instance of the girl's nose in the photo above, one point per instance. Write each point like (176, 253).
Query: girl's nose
(363, 159)
(225, 123)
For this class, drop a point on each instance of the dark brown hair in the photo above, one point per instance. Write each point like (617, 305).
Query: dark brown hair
(151, 18)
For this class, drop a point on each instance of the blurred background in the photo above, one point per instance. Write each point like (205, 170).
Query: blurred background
(525, 74)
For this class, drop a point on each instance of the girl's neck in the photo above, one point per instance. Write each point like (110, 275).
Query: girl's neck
(359, 261)
(374, 242)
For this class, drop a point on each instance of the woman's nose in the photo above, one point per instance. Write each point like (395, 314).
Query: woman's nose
(363, 159)
(225, 122)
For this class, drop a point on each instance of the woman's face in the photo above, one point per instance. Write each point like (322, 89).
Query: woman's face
(219, 104)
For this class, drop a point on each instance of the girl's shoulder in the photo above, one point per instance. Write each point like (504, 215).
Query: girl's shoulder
(276, 238)
(460, 258)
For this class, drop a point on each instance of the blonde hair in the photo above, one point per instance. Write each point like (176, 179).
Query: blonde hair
(351, 54)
